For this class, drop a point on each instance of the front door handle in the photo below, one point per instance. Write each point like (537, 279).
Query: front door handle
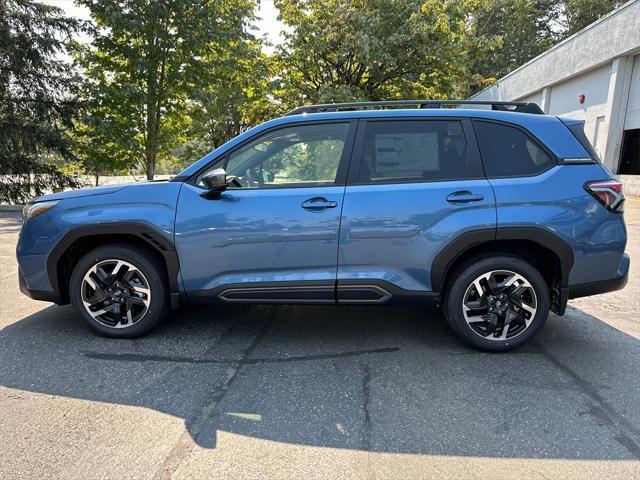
(318, 204)
(464, 196)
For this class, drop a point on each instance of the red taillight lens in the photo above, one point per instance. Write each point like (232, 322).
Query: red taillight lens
(608, 193)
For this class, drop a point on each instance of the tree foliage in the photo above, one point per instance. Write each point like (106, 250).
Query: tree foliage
(580, 13)
(234, 98)
(146, 62)
(38, 99)
(507, 34)
(340, 50)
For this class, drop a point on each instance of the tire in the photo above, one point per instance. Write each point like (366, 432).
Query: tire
(479, 319)
(133, 300)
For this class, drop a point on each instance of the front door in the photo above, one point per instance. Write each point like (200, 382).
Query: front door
(273, 234)
(414, 187)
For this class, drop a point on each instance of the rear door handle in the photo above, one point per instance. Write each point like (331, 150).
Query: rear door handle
(318, 204)
(464, 196)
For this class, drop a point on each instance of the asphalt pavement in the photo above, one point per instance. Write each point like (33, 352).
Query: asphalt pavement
(278, 392)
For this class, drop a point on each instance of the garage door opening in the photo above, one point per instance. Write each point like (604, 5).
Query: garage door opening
(630, 153)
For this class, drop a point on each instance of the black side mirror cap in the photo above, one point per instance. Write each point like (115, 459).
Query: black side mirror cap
(215, 182)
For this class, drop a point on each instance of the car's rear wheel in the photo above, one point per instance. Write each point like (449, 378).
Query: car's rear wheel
(119, 290)
(497, 303)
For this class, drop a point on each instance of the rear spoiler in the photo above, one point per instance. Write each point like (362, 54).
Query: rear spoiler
(576, 127)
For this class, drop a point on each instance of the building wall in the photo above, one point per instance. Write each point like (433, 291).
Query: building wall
(601, 62)
(632, 119)
(534, 97)
(594, 85)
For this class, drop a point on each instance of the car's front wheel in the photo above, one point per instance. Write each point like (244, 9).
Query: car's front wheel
(497, 303)
(119, 290)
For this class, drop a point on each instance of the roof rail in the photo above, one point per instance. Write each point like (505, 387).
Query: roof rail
(522, 107)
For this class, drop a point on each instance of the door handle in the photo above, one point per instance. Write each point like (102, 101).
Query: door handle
(464, 196)
(318, 204)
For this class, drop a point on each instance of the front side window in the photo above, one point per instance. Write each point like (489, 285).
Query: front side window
(508, 152)
(291, 156)
(413, 150)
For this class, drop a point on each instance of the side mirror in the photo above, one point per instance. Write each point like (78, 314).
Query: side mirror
(215, 182)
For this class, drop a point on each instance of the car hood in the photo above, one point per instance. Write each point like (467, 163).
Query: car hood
(87, 192)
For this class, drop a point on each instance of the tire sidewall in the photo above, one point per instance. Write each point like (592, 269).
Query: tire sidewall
(472, 270)
(149, 267)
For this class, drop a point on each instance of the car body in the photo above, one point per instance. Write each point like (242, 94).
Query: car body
(359, 206)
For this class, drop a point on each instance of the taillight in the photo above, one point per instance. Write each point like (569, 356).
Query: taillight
(608, 193)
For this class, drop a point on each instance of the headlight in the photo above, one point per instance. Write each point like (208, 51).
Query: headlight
(31, 210)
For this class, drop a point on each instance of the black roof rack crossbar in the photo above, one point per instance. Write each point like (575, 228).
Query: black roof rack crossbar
(521, 107)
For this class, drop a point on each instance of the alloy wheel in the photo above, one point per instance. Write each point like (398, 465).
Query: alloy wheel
(499, 305)
(116, 293)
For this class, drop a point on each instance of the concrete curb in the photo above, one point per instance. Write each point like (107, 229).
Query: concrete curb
(631, 184)
(10, 208)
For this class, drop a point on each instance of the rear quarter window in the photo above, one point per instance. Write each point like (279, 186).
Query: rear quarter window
(509, 152)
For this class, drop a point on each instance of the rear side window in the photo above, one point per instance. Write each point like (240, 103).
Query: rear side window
(413, 150)
(508, 152)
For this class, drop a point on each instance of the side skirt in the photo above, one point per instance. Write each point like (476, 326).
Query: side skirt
(354, 292)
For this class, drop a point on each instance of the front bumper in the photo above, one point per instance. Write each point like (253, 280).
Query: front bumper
(41, 295)
(603, 286)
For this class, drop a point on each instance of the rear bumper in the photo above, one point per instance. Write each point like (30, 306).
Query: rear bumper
(41, 295)
(603, 286)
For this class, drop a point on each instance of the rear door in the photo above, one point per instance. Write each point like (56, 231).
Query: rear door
(415, 185)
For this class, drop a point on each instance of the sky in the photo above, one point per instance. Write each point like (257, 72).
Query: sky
(267, 23)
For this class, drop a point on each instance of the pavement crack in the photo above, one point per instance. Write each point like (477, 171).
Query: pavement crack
(183, 447)
(366, 398)
(134, 357)
(603, 411)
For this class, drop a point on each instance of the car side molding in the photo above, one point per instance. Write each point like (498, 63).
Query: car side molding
(357, 292)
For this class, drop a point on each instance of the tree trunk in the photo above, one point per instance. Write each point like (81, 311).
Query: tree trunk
(97, 176)
(151, 165)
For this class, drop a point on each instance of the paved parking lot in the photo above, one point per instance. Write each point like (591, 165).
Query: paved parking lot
(317, 392)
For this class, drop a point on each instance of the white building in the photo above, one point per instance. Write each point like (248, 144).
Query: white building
(594, 75)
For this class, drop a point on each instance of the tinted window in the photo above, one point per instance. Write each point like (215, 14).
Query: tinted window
(507, 151)
(413, 150)
(298, 155)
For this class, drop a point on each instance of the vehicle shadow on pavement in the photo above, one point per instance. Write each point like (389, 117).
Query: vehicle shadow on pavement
(383, 379)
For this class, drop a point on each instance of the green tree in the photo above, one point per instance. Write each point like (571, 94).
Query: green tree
(341, 50)
(235, 97)
(580, 13)
(96, 148)
(38, 99)
(507, 34)
(146, 61)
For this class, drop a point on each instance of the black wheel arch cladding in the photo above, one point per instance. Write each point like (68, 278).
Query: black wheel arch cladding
(464, 242)
(146, 233)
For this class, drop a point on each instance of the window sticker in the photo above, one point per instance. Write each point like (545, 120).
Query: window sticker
(406, 154)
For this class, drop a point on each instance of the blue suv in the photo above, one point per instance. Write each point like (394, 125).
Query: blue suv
(495, 213)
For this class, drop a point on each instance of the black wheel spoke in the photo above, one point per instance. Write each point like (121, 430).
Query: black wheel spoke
(517, 293)
(98, 297)
(480, 304)
(491, 322)
(135, 300)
